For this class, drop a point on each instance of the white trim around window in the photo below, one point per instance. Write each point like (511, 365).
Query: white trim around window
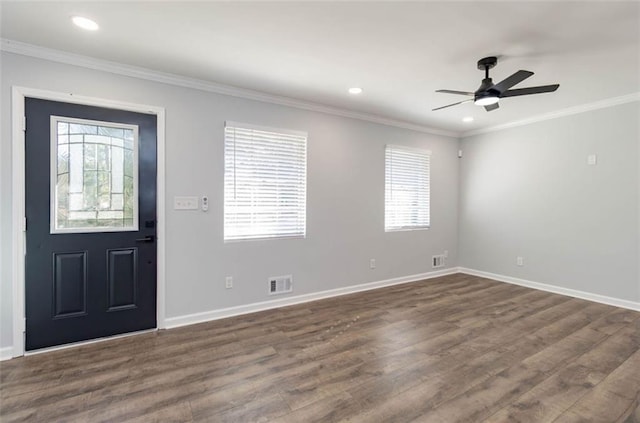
(407, 188)
(265, 182)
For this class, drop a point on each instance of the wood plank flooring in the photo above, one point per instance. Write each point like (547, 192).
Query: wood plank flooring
(453, 349)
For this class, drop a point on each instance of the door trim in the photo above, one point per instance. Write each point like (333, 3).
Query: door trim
(18, 95)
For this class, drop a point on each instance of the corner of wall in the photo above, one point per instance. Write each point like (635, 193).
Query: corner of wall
(459, 256)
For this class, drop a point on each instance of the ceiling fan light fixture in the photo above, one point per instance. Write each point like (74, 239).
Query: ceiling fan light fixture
(486, 100)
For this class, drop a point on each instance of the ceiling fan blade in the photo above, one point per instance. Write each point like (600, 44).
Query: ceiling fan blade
(530, 90)
(491, 107)
(509, 82)
(454, 92)
(449, 105)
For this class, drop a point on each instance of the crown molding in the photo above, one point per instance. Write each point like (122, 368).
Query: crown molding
(59, 56)
(601, 104)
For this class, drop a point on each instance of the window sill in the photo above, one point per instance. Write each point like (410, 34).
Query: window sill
(416, 228)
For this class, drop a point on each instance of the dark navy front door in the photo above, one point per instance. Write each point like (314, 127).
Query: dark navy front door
(91, 222)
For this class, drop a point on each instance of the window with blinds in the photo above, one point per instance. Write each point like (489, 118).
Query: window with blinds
(406, 188)
(265, 182)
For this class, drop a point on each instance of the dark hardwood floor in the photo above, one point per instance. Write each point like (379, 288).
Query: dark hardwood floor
(452, 349)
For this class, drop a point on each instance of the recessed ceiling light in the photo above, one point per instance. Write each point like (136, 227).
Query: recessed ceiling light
(355, 90)
(467, 119)
(85, 23)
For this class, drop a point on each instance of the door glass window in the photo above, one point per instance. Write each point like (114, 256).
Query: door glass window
(94, 176)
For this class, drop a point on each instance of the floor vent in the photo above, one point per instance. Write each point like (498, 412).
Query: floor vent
(280, 284)
(437, 261)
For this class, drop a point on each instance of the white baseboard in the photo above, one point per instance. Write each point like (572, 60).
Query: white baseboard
(190, 319)
(631, 305)
(6, 353)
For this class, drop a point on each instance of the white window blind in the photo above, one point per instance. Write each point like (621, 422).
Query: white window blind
(265, 182)
(406, 188)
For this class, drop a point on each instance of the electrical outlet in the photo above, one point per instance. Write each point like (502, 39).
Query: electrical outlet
(372, 264)
(228, 282)
(520, 261)
(446, 253)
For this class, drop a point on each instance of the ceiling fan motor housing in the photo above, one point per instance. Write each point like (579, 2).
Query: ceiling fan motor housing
(485, 90)
(485, 86)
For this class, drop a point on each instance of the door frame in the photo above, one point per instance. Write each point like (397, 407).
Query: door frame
(18, 96)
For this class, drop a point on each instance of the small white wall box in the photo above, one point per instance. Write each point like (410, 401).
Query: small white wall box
(185, 203)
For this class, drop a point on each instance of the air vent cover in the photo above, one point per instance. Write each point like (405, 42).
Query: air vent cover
(438, 261)
(280, 284)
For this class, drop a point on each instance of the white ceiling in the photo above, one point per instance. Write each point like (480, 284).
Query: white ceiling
(398, 52)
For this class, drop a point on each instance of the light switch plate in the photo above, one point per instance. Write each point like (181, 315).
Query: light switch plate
(185, 203)
(592, 159)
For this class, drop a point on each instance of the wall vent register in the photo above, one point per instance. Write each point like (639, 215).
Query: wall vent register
(438, 261)
(280, 284)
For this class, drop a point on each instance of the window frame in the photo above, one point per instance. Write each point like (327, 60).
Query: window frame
(389, 148)
(302, 199)
(53, 177)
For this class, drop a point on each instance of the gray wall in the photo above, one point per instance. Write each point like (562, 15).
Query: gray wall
(345, 209)
(528, 191)
(525, 191)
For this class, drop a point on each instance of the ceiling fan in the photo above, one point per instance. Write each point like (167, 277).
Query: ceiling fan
(489, 93)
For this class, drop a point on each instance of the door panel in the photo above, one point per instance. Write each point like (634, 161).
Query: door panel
(123, 278)
(70, 284)
(91, 222)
